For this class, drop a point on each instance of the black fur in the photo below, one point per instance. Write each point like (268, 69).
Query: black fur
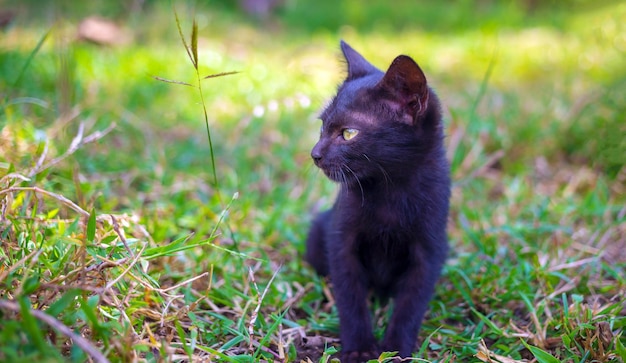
(386, 232)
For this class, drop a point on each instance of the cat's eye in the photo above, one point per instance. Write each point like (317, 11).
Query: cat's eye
(349, 134)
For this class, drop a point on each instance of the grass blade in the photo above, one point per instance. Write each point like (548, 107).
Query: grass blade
(208, 133)
(182, 37)
(620, 349)
(169, 249)
(63, 303)
(223, 213)
(91, 226)
(171, 81)
(30, 325)
(183, 340)
(222, 74)
(88, 306)
(541, 355)
(487, 321)
(268, 334)
(483, 85)
(30, 58)
(194, 43)
(28, 100)
(223, 357)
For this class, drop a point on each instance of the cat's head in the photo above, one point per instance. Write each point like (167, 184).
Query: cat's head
(379, 123)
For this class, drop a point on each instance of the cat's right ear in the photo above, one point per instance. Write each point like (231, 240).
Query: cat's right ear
(357, 65)
(407, 83)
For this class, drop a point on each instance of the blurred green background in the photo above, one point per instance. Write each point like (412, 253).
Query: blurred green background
(545, 57)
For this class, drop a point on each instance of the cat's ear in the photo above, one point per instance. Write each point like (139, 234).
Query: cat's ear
(357, 65)
(406, 83)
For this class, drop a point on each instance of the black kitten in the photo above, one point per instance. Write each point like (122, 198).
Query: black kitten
(382, 141)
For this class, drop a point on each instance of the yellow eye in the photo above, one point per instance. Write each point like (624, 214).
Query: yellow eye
(349, 134)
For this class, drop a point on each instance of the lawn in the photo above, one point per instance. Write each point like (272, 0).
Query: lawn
(164, 221)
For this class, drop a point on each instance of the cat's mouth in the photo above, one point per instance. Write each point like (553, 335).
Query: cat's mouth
(341, 174)
(335, 175)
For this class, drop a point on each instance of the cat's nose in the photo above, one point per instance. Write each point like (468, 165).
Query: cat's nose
(316, 155)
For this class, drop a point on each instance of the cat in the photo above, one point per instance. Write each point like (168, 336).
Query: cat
(382, 140)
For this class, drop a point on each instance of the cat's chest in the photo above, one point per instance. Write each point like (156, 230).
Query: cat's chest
(386, 227)
(386, 218)
(389, 212)
(385, 254)
(388, 215)
(382, 231)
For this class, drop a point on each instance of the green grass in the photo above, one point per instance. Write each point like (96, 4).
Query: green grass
(117, 244)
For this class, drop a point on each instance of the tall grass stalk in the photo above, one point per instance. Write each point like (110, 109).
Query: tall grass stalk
(192, 53)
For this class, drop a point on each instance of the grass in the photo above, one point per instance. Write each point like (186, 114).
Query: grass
(117, 244)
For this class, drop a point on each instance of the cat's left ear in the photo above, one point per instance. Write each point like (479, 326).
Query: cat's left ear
(357, 65)
(406, 82)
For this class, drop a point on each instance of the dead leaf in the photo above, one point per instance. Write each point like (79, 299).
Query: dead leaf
(102, 31)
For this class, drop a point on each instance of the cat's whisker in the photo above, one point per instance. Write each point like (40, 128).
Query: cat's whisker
(338, 175)
(388, 179)
(344, 177)
(386, 176)
(358, 182)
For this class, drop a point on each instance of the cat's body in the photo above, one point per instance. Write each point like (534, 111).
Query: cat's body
(382, 140)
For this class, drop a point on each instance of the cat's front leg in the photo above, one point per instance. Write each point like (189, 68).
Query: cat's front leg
(410, 304)
(351, 291)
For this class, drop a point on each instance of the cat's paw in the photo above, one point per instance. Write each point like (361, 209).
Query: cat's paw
(358, 356)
